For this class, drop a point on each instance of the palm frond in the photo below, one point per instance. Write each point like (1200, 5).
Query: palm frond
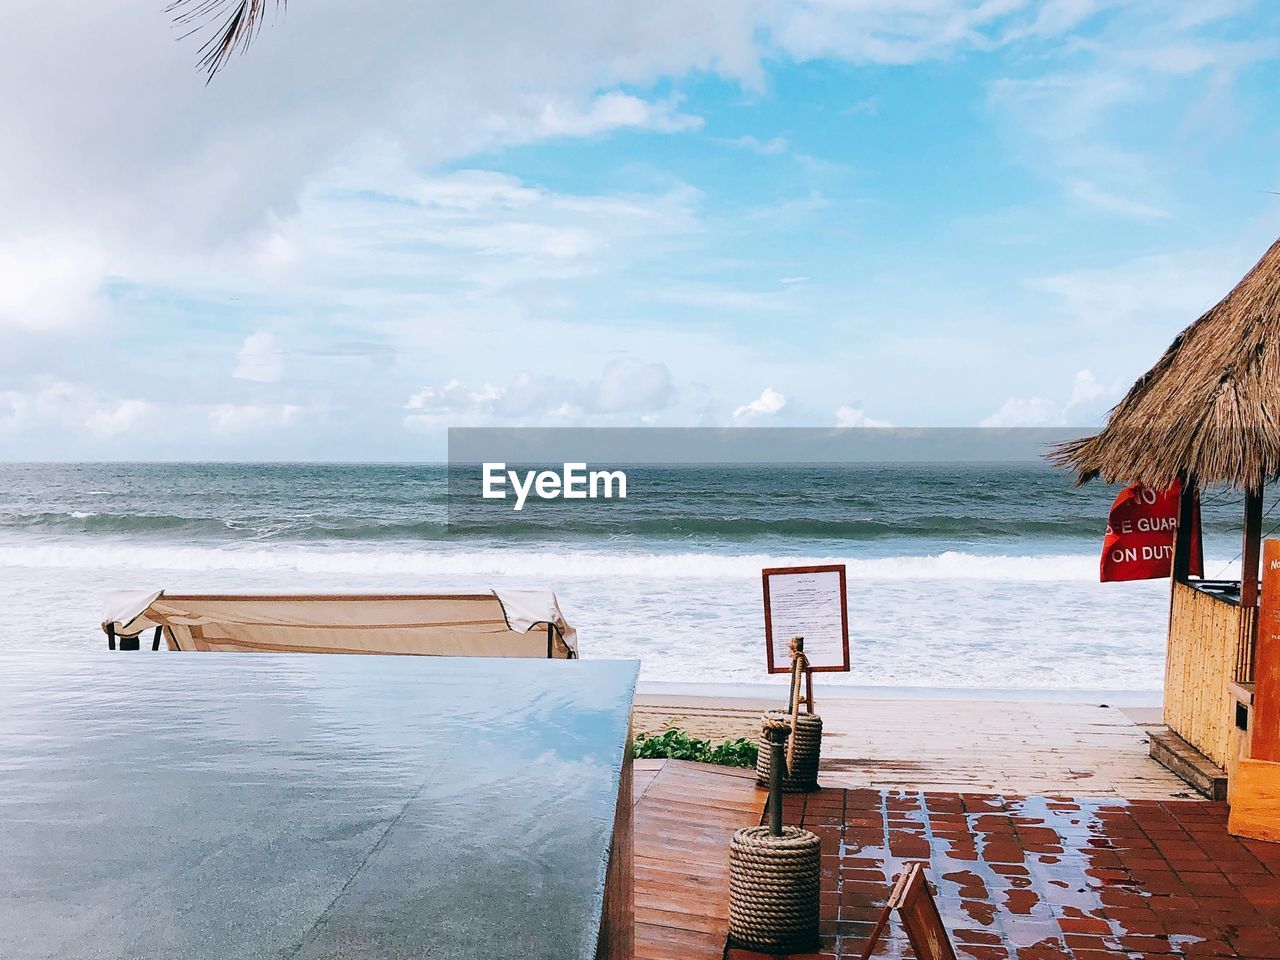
(236, 23)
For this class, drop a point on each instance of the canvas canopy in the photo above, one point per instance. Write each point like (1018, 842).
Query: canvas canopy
(501, 623)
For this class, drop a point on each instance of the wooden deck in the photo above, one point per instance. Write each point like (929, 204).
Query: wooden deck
(685, 815)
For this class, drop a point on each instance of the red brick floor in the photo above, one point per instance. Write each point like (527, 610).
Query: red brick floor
(1032, 878)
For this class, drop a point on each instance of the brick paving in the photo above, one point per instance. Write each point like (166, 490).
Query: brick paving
(1037, 878)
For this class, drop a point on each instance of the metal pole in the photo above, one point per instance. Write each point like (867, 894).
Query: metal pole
(155, 641)
(111, 636)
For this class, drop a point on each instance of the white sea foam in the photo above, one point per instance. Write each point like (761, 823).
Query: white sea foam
(561, 562)
(952, 619)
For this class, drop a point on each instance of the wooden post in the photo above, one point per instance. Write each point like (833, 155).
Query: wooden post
(1251, 547)
(1186, 530)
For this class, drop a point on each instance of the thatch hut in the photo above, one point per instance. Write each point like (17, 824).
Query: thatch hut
(1207, 414)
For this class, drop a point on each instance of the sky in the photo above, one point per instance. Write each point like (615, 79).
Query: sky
(388, 219)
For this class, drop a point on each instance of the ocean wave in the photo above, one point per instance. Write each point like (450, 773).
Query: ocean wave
(303, 529)
(399, 565)
(285, 526)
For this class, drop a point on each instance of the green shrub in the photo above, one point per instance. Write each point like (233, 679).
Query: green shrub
(678, 745)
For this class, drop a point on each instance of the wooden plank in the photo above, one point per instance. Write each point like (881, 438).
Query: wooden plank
(1171, 751)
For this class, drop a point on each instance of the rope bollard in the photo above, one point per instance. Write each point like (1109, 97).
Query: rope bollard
(774, 871)
(805, 747)
(801, 776)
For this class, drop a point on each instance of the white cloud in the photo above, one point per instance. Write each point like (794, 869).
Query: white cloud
(769, 403)
(473, 232)
(766, 148)
(230, 419)
(1024, 412)
(124, 417)
(1085, 388)
(1166, 291)
(1089, 194)
(65, 408)
(182, 167)
(613, 111)
(258, 359)
(1087, 401)
(847, 416)
(868, 106)
(625, 387)
(721, 299)
(49, 284)
(892, 31)
(630, 385)
(447, 399)
(1080, 115)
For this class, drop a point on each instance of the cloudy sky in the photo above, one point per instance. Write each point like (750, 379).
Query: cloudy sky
(394, 217)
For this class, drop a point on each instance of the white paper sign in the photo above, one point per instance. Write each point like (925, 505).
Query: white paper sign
(809, 603)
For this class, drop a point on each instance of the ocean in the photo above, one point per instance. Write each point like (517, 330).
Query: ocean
(959, 575)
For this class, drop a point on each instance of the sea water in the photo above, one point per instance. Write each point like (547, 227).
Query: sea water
(959, 575)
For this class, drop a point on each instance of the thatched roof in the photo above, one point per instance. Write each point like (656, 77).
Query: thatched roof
(1210, 408)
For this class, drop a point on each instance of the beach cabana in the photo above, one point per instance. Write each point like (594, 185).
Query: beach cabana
(1207, 414)
(500, 623)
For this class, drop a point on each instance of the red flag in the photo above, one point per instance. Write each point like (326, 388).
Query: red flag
(1140, 529)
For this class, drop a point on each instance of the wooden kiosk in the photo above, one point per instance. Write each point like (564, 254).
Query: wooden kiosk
(1208, 414)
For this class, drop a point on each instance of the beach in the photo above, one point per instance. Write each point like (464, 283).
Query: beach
(922, 740)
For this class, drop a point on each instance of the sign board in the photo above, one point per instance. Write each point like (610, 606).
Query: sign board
(1140, 532)
(806, 602)
(918, 913)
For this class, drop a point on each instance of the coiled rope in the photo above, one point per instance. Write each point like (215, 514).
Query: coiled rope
(804, 746)
(773, 890)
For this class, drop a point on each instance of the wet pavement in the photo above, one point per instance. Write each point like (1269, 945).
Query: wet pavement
(1036, 878)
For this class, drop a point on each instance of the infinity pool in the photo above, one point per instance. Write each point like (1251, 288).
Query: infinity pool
(259, 805)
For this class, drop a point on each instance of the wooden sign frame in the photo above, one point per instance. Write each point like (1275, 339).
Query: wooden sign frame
(774, 666)
(918, 913)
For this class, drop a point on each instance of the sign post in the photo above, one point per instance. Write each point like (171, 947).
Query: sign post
(809, 604)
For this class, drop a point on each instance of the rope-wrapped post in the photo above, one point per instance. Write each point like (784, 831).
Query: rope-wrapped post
(801, 775)
(774, 872)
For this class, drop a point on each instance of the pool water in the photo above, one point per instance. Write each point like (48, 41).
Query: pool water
(263, 805)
